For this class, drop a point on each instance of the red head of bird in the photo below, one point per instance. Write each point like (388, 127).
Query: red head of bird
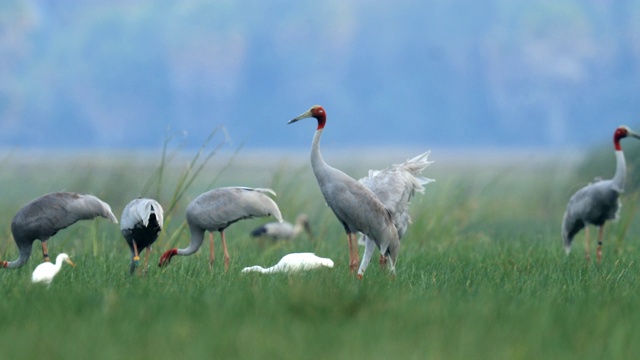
(316, 112)
(166, 257)
(621, 133)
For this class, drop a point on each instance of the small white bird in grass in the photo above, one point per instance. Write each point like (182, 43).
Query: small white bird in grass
(45, 272)
(293, 263)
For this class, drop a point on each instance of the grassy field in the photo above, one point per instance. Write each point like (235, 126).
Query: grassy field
(481, 274)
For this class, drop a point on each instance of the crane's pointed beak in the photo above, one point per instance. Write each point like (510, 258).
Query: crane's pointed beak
(306, 114)
(635, 135)
(70, 262)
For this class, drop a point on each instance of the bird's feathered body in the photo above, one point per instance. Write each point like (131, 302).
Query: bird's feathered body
(43, 217)
(45, 272)
(597, 202)
(593, 204)
(283, 230)
(395, 187)
(217, 209)
(142, 220)
(293, 263)
(355, 206)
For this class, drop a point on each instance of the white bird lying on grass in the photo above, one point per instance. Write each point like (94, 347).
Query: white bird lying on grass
(45, 272)
(293, 263)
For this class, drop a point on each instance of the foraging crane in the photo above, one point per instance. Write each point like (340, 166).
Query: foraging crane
(293, 263)
(45, 272)
(395, 187)
(597, 202)
(215, 210)
(355, 206)
(45, 216)
(140, 224)
(284, 230)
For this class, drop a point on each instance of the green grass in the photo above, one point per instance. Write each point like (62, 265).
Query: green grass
(481, 274)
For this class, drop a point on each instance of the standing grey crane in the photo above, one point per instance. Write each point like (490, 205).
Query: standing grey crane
(597, 202)
(284, 230)
(395, 187)
(355, 206)
(215, 210)
(141, 223)
(45, 216)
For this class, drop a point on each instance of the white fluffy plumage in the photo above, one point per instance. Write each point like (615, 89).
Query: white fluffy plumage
(45, 272)
(293, 263)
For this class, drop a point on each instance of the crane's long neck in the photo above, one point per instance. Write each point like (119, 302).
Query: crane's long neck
(320, 168)
(25, 254)
(621, 171)
(197, 236)
(259, 269)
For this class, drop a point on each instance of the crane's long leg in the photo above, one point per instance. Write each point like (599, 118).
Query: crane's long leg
(587, 250)
(212, 255)
(599, 251)
(45, 251)
(136, 256)
(353, 252)
(226, 253)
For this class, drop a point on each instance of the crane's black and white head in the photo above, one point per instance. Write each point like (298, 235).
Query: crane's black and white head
(621, 133)
(316, 112)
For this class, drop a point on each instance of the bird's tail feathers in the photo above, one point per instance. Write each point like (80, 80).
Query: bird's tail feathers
(265, 191)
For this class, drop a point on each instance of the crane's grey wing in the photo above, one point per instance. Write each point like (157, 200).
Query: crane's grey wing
(86, 207)
(139, 211)
(595, 203)
(592, 204)
(44, 216)
(219, 208)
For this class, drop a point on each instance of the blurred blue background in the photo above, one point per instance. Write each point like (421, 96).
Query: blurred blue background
(460, 73)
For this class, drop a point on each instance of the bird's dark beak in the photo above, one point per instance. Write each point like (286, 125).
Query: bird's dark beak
(306, 114)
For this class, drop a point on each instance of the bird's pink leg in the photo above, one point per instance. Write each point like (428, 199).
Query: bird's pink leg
(226, 253)
(599, 251)
(353, 252)
(136, 256)
(45, 252)
(212, 255)
(587, 250)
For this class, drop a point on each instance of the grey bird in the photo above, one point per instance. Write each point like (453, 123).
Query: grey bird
(357, 208)
(284, 230)
(395, 187)
(43, 217)
(140, 224)
(216, 210)
(598, 201)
